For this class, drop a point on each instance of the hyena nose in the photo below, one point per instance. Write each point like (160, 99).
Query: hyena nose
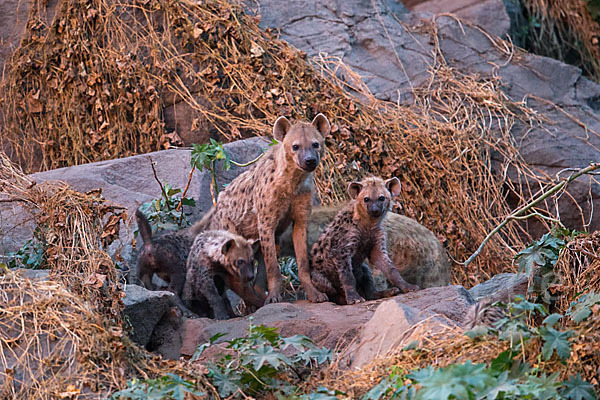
(311, 162)
(249, 275)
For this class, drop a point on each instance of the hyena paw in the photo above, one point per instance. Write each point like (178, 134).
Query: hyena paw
(410, 288)
(273, 298)
(317, 297)
(354, 299)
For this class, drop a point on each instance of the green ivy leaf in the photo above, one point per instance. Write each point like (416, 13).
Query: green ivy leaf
(578, 389)
(555, 340)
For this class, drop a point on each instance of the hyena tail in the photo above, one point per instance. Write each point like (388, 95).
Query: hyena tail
(204, 223)
(144, 227)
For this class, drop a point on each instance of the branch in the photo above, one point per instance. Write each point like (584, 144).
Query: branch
(162, 189)
(249, 162)
(187, 186)
(516, 214)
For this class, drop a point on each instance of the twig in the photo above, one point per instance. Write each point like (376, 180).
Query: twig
(249, 162)
(162, 189)
(516, 214)
(187, 186)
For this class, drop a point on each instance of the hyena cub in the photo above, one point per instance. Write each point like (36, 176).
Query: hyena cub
(354, 235)
(219, 260)
(165, 256)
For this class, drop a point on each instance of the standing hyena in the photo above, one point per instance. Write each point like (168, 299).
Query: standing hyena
(354, 235)
(274, 192)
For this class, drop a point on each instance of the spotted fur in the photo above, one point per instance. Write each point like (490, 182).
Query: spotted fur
(274, 193)
(354, 235)
(219, 260)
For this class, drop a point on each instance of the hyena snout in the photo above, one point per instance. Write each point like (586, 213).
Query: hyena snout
(376, 210)
(245, 271)
(309, 161)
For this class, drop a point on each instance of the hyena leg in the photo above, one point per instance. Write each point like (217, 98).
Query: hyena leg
(323, 284)
(176, 287)
(366, 286)
(267, 245)
(346, 276)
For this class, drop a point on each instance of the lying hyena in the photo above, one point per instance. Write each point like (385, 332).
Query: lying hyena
(166, 256)
(272, 194)
(219, 260)
(354, 235)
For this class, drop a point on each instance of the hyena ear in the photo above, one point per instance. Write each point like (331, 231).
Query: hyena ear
(227, 246)
(256, 246)
(321, 123)
(354, 189)
(394, 186)
(281, 128)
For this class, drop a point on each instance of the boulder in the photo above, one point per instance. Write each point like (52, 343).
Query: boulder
(143, 310)
(374, 39)
(501, 287)
(396, 321)
(128, 182)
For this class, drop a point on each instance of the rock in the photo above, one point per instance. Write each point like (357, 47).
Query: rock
(375, 42)
(129, 182)
(143, 310)
(166, 337)
(396, 321)
(190, 124)
(37, 274)
(501, 287)
(491, 15)
(414, 249)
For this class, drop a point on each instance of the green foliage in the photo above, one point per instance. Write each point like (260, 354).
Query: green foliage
(256, 364)
(506, 376)
(581, 309)
(578, 389)
(31, 255)
(162, 212)
(538, 259)
(205, 156)
(169, 386)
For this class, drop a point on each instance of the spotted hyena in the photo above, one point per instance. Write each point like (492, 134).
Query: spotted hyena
(166, 256)
(274, 193)
(354, 235)
(219, 260)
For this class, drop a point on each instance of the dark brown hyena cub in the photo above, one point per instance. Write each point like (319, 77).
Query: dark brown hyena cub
(219, 260)
(165, 256)
(354, 235)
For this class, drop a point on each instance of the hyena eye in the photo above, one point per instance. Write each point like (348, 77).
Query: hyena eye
(316, 145)
(240, 262)
(366, 199)
(295, 147)
(381, 198)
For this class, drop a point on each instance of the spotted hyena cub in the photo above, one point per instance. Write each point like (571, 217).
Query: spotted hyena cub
(164, 255)
(219, 260)
(354, 235)
(274, 193)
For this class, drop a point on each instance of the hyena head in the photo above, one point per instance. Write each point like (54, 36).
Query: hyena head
(239, 257)
(374, 195)
(303, 142)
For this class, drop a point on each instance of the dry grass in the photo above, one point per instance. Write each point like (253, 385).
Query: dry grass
(63, 337)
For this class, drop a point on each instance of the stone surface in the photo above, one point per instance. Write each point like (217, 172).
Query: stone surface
(396, 321)
(491, 15)
(128, 182)
(143, 310)
(374, 40)
(501, 287)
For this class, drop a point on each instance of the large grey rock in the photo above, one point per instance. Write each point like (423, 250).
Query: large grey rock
(128, 182)
(143, 310)
(376, 42)
(501, 287)
(396, 322)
